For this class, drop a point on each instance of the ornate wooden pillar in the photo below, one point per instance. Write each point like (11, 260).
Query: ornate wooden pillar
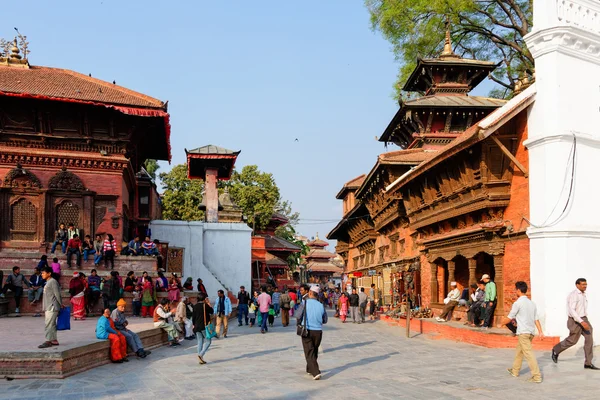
(451, 269)
(472, 271)
(499, 279)
(434, 283)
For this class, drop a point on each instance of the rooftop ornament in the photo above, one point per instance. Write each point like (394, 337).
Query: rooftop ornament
(15, 52)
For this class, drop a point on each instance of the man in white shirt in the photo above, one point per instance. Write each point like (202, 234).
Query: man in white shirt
(525, 312)
(578, 325)
(451, 302)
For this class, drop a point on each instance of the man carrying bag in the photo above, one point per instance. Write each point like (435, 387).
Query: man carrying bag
(310, 328)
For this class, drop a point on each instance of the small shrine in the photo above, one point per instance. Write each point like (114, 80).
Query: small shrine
(211, 163)
(319, 262)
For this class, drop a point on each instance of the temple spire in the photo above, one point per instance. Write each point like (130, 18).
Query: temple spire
(14, 51)
(447, 52)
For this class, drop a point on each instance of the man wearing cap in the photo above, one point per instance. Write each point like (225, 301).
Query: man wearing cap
(451, 302)
(490, 300)
(315, 317)
(120, 322)
(243, 301)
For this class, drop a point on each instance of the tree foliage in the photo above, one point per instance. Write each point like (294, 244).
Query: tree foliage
(182, 196)
(151, 166)
(256, 193)
(487, 30)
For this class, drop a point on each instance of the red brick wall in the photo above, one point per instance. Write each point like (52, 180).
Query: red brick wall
(516, 252)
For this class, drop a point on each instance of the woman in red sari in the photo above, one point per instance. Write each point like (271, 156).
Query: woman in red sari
(343, 306)
(77, 292)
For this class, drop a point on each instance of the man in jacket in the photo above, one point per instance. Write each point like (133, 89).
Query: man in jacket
(243, 301)
(354, 301)
(37, 286)
(284, 301)
(315, 317)
(362, 304)
(223, 311)
(60, 237)
(52, 303)
(181, 319)
(14, 283)
(132, 338)
(489, 302)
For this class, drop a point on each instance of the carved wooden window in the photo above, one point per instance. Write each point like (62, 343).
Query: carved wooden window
(67, 213)
(23, 220)
(401, 244)
(495, 163)
(362, 260)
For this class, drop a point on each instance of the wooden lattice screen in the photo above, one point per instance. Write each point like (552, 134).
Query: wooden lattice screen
(67, 213)
(23, 220)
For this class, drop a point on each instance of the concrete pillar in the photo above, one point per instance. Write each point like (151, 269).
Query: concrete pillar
(211, 195)
(564, 148)
(472, 269)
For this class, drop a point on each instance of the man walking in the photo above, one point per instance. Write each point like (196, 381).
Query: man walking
(578, 325)
(525, 312)
(372, 302)
(275, 300)
(243, 301)
(264, 301)
(489, 302)
(51, 303)
(362, 304)
(316, 316)
(285, 302)
(353, 298)
(223, 311)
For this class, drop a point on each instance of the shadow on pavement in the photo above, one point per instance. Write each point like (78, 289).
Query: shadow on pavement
(253, 355)
(359, 363)
(349, 346)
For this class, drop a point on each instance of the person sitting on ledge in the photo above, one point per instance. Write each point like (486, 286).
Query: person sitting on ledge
(451, 302)
(161, 315)
(105, 329)
(14, 283)
(149, 247)
(133, 340)
(74, 247)
(134, 247)
(37, 287)
(162, 284)
(188, 284)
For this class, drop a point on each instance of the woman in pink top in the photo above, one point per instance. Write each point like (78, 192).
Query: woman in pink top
(56, 269)
(264, 301)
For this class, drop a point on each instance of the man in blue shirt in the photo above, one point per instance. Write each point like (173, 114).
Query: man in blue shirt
(223, 311)
(314, 319)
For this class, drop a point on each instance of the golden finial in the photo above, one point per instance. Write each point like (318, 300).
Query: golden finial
(14, 51)
(448, 43)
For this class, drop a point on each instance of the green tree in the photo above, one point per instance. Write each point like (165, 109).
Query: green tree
(151, 166)
(182, 196)
(481, 29)
(256, 193)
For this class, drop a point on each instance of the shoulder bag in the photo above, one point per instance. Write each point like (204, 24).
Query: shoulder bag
(209, 330)
(302, 330)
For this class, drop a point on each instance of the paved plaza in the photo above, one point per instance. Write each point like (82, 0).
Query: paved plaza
(372, 359)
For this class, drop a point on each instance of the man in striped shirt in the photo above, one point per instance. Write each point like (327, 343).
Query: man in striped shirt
(578, 325)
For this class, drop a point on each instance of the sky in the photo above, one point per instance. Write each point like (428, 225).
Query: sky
(245, 75)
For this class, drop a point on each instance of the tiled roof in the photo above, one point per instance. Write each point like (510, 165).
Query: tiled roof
(65, 84)
(412, 156)
(212, 149)
(351, 184)
(323, 267)
(455, 101)
(317, 243)
(319, 253)
(279, 244)
(273, 261)
(474, 134)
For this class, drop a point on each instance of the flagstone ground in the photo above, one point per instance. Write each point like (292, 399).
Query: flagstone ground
(372, 359)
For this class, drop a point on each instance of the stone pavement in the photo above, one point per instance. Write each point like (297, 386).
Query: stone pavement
(372, 360)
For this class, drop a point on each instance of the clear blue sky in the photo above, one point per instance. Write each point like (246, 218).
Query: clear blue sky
(245, 75)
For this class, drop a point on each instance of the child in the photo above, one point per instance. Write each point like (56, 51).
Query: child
(56, 269)
(137, 300)
(271, 315)
(252, 314)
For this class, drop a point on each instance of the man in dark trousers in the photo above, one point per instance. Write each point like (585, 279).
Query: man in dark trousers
(354, 301)
(490, 301)
(315, 317)
(578, 325)
(243, 300)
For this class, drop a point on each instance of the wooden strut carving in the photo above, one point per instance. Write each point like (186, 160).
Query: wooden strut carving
(21, 178)
(66, 180)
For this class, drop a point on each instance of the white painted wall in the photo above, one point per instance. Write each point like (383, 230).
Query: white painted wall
(219, 253)
(566, 45)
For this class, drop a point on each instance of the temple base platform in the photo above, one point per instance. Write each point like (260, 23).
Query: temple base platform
(452, 330)
(79, 350)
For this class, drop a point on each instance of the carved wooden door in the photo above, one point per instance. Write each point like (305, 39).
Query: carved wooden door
(23, 221)
(175, 260)
(68, 212)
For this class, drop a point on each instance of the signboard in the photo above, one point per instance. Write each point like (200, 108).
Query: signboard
(372, 272)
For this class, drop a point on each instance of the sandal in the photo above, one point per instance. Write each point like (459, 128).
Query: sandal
(45, 345)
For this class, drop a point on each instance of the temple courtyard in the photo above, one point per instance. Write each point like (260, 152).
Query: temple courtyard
(372, 359)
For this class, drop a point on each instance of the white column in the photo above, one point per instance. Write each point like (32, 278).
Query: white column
(565, 43)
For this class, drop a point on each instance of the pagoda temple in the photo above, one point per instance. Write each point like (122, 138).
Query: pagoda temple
(70, 149)
(447, 207)
(319, 262)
